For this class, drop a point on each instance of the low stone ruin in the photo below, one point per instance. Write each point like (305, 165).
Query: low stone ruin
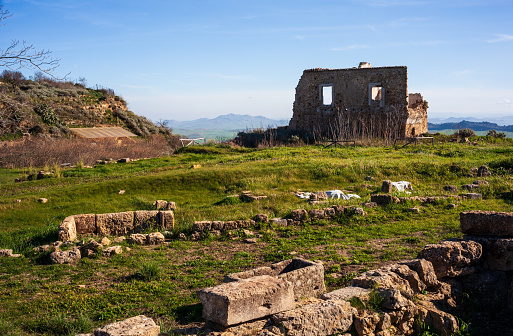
(397, 299)
(296, 217)
(385, 199)
(115, 224)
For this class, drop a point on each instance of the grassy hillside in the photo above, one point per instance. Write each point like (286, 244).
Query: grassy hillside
(160, 282)
(47, 106)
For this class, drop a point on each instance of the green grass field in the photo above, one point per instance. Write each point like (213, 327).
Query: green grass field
(160, 282)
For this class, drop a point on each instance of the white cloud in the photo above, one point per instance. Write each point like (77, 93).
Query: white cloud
(505, 101)
(501, 38)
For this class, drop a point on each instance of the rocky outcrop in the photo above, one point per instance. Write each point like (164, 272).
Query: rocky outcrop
(134, 326)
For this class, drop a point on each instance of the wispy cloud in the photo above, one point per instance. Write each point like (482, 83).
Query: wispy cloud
(351, 47)
(506, 101)
(501, 38)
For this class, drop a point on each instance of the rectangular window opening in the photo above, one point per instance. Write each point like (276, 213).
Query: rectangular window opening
(327, 94)
(376, 94)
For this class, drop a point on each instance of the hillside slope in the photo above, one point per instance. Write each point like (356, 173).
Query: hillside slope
(46, 106)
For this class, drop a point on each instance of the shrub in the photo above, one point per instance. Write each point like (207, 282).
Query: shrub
(496, 135)
(465, 133)
(149, 271)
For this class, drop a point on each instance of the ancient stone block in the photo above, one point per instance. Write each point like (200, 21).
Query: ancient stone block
(451, 188)
(85, 223)
(382, 279)
(425, 271)
(247, 299)
(298, 215)
(134, 326)
(144, 220)
(473, 196)
(137, 238)
(321, 319)
(409, 275)
(329, 212)
(218, 225)
(346, 293)
(452, 258)
(384, 199)
(167, 220)
(261, 218)
(366, 323)
(114, 224)
(160, 204)
(483, 171)
(67, 229)
(500, 255)
(316, 214)
(307, 277)
(112, 250)
(230, 225)
(65, 257)
(387, 187)
(202, 225)
(155, 238)
(487, 223)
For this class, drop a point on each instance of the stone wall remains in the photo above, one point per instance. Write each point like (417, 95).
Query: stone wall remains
(358, 102)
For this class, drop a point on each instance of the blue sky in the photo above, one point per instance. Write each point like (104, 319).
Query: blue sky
(187, 59)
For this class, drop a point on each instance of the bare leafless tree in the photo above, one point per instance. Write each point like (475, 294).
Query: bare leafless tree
(20, 54)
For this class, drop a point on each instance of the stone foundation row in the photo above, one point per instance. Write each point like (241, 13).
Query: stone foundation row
(115, 224)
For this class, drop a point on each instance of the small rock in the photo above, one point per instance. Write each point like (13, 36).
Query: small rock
(369, 178)
(473, 196)
(42, 200)
(121, 192)
(17, 201)
(137, 238)
(483, 171)
(105, 241)
(155, 238)
(261, 218)
(124, 160)
(451, 188)
(452, 205)
(248, 233)
(370, 204)
(481, 182)
(414, 209)
(128, 249)
(5, 252)
(182, 236)
(138, 325)
(110, 251)
(119, 239)
(65, 257)
(250, 240)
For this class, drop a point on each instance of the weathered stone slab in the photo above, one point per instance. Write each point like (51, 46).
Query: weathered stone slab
(144, 220)
(307, 277)
(67, 229)
(425, 271)
(85, 223)
(320, 319)
(246, 299)
(387, 187)
(137, 238)
(384, 199)
(298, 215)
(155, 238)
(500, 255)
(134, 326)
(167, 220)
(202, 225)
(112, 250)
(487, 223)
(346, 293)
(452, 258)
(383, 279)
(65, 257)
(114, 224)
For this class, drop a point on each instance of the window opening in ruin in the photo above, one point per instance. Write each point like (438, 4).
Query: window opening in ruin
(376, 94)
(327, 94)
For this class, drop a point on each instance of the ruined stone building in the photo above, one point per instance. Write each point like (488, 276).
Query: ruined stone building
(358, 102)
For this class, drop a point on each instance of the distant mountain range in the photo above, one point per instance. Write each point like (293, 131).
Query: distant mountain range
(504, 120)
(228, 122)
(476, 126)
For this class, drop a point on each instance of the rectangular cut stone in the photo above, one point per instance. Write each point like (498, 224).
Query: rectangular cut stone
(134, 326)
(244, 300)
(67, 229)
(307, 277)
(167, 220)
(115, 224)
(85, 223)
(145, 219)
(487, 223)
(320, 319)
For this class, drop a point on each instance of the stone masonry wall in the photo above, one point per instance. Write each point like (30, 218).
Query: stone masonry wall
(114, 224)
(351, 107)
